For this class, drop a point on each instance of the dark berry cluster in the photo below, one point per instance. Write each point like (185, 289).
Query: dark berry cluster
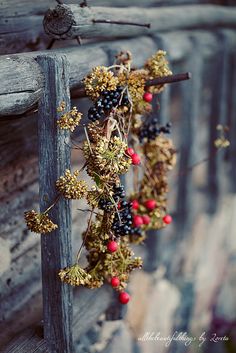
(107, 101)
(150, 130)
(107, 204)
(136, 231)
(122, 224)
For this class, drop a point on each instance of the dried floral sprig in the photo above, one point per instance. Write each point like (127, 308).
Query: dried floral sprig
(71, 187)
(98, 80)
(158, 66)
(69, 120)
(74, 275)
(39, 222)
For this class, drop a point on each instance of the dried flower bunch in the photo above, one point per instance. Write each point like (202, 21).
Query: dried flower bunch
(119, 125)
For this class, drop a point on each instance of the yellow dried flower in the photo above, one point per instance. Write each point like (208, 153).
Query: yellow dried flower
(70, 187)
(135, 80)
(70, 120)
(108, 157)
(157, 66)
(61, 107)
(98, 80)
(74, 275)
(39, 222)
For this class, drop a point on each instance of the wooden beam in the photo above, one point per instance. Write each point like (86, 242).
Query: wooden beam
(71, 21)
(22, 79)
(21, 27)
(54, 158)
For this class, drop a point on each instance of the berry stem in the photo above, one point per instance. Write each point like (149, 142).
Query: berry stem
(53, 204)
(86, 234)
(87, 138)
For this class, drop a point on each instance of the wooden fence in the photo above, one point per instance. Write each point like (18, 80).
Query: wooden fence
(203, 43)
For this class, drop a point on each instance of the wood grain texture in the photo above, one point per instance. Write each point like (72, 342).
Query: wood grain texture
(21, 22)
(89, 305)
(82, 59)
(70, 21)
(54, 159)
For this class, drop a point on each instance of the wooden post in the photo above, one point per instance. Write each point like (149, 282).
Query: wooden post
(54, 158)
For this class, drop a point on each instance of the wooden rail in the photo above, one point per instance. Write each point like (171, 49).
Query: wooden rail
(22, 79)
(71, 21)
(24, 20)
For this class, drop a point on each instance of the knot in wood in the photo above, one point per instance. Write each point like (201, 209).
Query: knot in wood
(58, 21)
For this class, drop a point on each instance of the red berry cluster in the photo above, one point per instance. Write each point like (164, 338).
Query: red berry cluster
(124, 297)
(136, 160)
(151, 204)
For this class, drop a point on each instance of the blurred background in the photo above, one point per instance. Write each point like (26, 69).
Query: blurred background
(188, 283)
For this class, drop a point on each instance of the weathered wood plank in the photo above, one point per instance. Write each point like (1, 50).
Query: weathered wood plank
(89, 305)
(70, 21)
(81, 60)
(54, 158)
(21, 21)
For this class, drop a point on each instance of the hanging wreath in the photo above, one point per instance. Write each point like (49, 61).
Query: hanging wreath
(121, 135)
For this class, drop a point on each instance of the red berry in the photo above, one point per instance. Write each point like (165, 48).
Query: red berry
(135, 159)
(112, 246)
(129, 151)
(118, 205)
(146, 219)
(147, 97)
(124, 297)
(115, 282)
(150, 204)
(135, 205)
(137, 220)
(167, 219)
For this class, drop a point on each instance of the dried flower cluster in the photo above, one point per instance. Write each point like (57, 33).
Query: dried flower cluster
(69, 120)
(74, 275)
(70, 187)
(39, 222)
(100, 79)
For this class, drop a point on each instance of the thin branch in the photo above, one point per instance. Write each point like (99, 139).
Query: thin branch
(86, 234)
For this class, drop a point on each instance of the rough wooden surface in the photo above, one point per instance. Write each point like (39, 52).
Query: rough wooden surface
(21, 22)
(70, 21)
(89, 305)
(54, 159)
(81, 59)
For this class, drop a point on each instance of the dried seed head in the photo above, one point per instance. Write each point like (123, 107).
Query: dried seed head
(69, 120)
(39, 222)
(74, 275)
(98, 80)
(70, 187)
(158, 66)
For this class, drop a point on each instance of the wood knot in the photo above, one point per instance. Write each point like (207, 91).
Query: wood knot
(58, 21)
